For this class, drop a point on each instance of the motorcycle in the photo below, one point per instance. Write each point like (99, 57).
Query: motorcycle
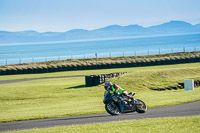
(116, 104)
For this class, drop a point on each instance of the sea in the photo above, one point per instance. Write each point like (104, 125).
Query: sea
(17, 53)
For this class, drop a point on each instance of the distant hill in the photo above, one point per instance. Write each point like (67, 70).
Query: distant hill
(172, 27)
(197, 25)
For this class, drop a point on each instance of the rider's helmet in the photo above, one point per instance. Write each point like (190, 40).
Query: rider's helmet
(107, 85)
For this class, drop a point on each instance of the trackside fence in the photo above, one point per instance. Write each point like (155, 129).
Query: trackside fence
(130, 61)
(97, 55)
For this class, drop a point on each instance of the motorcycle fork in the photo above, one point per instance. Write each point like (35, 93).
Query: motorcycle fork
(133, 103)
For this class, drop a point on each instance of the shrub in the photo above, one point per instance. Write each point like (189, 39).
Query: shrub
(19, 70)
(65, 67)
(25, 70)
(101, 63)
(45, 69)
(30, 70)
(54, 68)
(3, 72)
(59, 68)
(35, 69)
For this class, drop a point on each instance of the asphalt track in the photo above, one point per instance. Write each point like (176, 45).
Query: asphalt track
(171, 111)
(22, 80)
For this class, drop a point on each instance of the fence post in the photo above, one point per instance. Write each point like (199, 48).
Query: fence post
(6, 62)
(183, 49)
(159, 51)
(32, 60)
(110, 54)
(20, 62)
(96, 55)
(172, 50)
(135, 53)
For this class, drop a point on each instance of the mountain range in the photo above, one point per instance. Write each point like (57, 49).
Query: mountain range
(172, 27)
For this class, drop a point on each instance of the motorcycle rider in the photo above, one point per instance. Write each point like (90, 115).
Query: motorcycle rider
(115, 89)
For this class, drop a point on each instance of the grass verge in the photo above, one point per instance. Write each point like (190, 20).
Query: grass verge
(154, 125)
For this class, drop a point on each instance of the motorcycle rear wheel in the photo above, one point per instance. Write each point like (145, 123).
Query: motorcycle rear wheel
(140, 106)
(112, 108)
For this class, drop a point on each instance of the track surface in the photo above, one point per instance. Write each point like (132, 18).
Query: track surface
(22, 80)
(179, 110)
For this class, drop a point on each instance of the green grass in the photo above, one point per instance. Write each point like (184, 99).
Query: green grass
(153, 125)
(66, 97)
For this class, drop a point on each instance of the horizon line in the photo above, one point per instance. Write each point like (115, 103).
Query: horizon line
(100, 27)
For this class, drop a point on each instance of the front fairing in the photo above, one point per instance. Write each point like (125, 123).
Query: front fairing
(107, 96)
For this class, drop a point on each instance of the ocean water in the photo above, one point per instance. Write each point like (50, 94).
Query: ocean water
(36, 52)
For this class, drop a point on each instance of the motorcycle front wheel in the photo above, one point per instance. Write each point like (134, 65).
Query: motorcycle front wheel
(112, 108)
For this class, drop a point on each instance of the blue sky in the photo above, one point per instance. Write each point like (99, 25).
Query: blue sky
(64, 15)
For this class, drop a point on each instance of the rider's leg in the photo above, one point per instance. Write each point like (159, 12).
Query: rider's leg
(126, 94)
